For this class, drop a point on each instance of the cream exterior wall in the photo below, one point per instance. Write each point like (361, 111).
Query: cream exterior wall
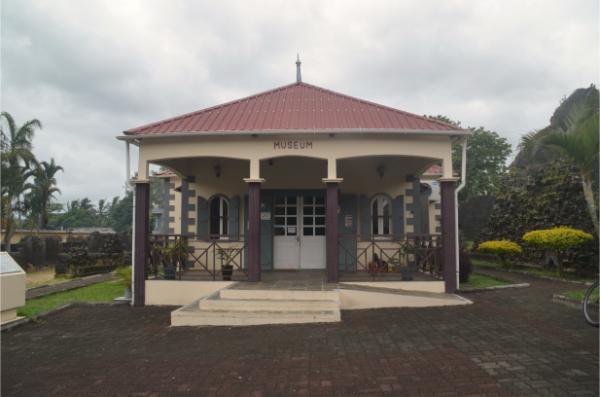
(353, 158)
(178, 292)
(262, 147)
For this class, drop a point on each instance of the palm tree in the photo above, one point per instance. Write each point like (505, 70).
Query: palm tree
(573, 132)
(16, 158)
(42, 190)
(86, 204)
(102, 212)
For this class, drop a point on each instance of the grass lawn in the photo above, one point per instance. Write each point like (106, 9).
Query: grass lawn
(578, 294)
(480, 281)
(529, 269)
(101, 292)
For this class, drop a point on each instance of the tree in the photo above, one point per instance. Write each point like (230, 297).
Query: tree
(42, 191)
(102, 212)
(487, 153)
(79, 213)
(16, 158)
(121, 214)
(573, 132)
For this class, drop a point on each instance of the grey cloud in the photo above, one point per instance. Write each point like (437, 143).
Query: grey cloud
(91, 69)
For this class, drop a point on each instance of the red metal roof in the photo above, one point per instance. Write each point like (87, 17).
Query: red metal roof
(434, 170)
(294, 107)
(164, 173)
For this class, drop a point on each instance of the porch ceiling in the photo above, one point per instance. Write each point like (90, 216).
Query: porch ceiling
(374, 166)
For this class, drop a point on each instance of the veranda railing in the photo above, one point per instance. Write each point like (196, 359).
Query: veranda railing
(417, 252)
(172, 254)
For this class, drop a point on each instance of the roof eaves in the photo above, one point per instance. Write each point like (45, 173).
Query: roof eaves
(416, 132)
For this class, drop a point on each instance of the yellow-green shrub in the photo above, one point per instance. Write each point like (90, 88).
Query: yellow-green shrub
(556, 240)
(561, 237)
(502, 248)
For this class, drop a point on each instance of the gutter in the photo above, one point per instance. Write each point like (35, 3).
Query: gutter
(463, 182)
(416, 132)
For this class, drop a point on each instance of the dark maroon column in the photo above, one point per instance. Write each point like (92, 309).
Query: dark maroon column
(141, 231)
(331, 241)
(253, 231)
(449, 234)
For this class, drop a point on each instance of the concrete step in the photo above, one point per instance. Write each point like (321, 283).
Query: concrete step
(218, 303)
(193, 315)
(280, 294)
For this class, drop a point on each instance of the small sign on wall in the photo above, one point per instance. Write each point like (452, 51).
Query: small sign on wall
(265, 216)
(348, 220)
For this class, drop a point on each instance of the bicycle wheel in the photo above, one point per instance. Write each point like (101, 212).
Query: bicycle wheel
(590, 305)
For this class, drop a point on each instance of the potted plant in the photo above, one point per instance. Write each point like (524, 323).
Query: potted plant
(227, 267)
(125, 273)
(174, 254)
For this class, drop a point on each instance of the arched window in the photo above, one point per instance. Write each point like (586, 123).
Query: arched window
(381, 215)
(219, 212)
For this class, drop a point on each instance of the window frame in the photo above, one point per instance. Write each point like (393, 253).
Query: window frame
(223, 218)
(378, 199)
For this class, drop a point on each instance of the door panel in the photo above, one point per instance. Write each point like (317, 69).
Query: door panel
(312, 243)
(286, 239)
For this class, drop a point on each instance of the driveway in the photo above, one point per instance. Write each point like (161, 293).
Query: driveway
(510, 342)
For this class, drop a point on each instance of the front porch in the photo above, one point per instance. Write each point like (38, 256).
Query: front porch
(408, 274)
(179, 257)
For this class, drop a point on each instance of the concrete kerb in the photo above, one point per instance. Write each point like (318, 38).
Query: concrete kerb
(493, 288)
(565, 300)
(24, 320)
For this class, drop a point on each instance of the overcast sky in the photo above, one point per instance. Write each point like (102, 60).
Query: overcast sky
(91, 69)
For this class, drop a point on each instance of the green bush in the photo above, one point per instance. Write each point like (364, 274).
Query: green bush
(556, 241)
(502, 248)
(125, 273)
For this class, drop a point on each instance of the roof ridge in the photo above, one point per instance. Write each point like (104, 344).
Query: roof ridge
(196, 112)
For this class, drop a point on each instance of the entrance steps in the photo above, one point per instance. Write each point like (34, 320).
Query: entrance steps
(242, 307)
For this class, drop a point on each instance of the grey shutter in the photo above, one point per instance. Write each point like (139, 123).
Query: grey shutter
(365, 218)
(347, 232)
(233, 218)
(203, 216)
(398, 217)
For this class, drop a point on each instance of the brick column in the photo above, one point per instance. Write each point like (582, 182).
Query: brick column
(140, 243)
(253, 229)
(449, 248)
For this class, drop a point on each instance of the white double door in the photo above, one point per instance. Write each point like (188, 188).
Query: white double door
(299, 232)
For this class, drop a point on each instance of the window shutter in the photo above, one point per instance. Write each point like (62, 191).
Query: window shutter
(202, 221)
(398, 217)
(234, 218)
(365, 218)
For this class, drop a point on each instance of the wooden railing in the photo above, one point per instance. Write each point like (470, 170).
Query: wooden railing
(170, 255)
(417, 252)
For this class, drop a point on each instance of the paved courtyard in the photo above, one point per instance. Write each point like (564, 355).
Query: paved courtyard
(510, 342)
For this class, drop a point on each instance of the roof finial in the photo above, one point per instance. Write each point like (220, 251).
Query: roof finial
(298, 71)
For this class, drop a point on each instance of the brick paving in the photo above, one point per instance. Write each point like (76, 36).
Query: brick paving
(509, 343)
